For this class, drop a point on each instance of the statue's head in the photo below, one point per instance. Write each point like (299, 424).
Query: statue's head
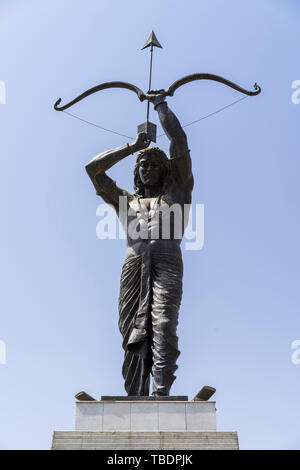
(152, 168)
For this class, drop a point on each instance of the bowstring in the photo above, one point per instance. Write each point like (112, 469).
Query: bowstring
(211, 114)
(97, 125)
(161, 135)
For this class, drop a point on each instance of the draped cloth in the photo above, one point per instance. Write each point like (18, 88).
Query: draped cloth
(149, 301)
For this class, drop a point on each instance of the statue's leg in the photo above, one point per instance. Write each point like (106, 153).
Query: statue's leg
(136, 373)
(166, 298)
(137, 353)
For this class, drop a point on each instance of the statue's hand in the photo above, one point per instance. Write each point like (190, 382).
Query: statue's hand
(156, 97)
(142, 141)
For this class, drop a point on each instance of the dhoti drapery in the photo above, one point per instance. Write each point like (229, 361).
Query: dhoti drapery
(150, 296)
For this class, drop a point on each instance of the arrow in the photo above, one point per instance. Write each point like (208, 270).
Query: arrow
(148, 127)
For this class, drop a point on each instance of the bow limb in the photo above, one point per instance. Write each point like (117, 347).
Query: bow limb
(210, 76)
(97, 88)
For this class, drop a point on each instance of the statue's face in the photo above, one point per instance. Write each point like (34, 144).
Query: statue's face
(150, 170)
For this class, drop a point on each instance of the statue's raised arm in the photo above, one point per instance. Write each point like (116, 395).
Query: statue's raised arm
(179, 151)
(97, 167)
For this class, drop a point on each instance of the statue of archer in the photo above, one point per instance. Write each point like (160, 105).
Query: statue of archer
(151, 280)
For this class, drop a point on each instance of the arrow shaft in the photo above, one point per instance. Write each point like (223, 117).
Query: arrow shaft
(150, 79)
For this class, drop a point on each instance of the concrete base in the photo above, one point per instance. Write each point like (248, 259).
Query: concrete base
(145, 416)
(145, 425)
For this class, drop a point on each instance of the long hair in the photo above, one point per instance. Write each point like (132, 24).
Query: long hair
(164, 165)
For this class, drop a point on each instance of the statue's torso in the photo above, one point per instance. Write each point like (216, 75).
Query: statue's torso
(157, 224)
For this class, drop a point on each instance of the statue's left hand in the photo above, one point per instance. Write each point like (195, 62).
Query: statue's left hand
(156, 96)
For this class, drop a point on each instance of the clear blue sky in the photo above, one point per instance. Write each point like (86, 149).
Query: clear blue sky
(59, 282)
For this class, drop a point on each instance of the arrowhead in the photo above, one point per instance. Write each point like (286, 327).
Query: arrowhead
(151, 41)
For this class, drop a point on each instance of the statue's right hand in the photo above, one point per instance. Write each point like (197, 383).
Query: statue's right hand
(142, 141)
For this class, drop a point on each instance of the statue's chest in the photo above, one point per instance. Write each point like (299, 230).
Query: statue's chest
(146, 208)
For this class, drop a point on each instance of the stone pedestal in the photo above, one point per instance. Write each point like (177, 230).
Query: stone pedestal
(145, 425)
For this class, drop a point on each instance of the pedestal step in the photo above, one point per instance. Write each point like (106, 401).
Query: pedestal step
(187, 440)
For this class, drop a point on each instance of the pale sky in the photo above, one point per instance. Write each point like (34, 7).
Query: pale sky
(60, 283)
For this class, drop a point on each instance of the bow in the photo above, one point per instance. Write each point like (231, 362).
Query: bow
(169, 92)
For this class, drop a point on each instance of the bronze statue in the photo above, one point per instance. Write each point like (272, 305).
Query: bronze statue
(151, 280)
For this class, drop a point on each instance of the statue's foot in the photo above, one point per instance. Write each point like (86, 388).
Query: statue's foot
(160, 394)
